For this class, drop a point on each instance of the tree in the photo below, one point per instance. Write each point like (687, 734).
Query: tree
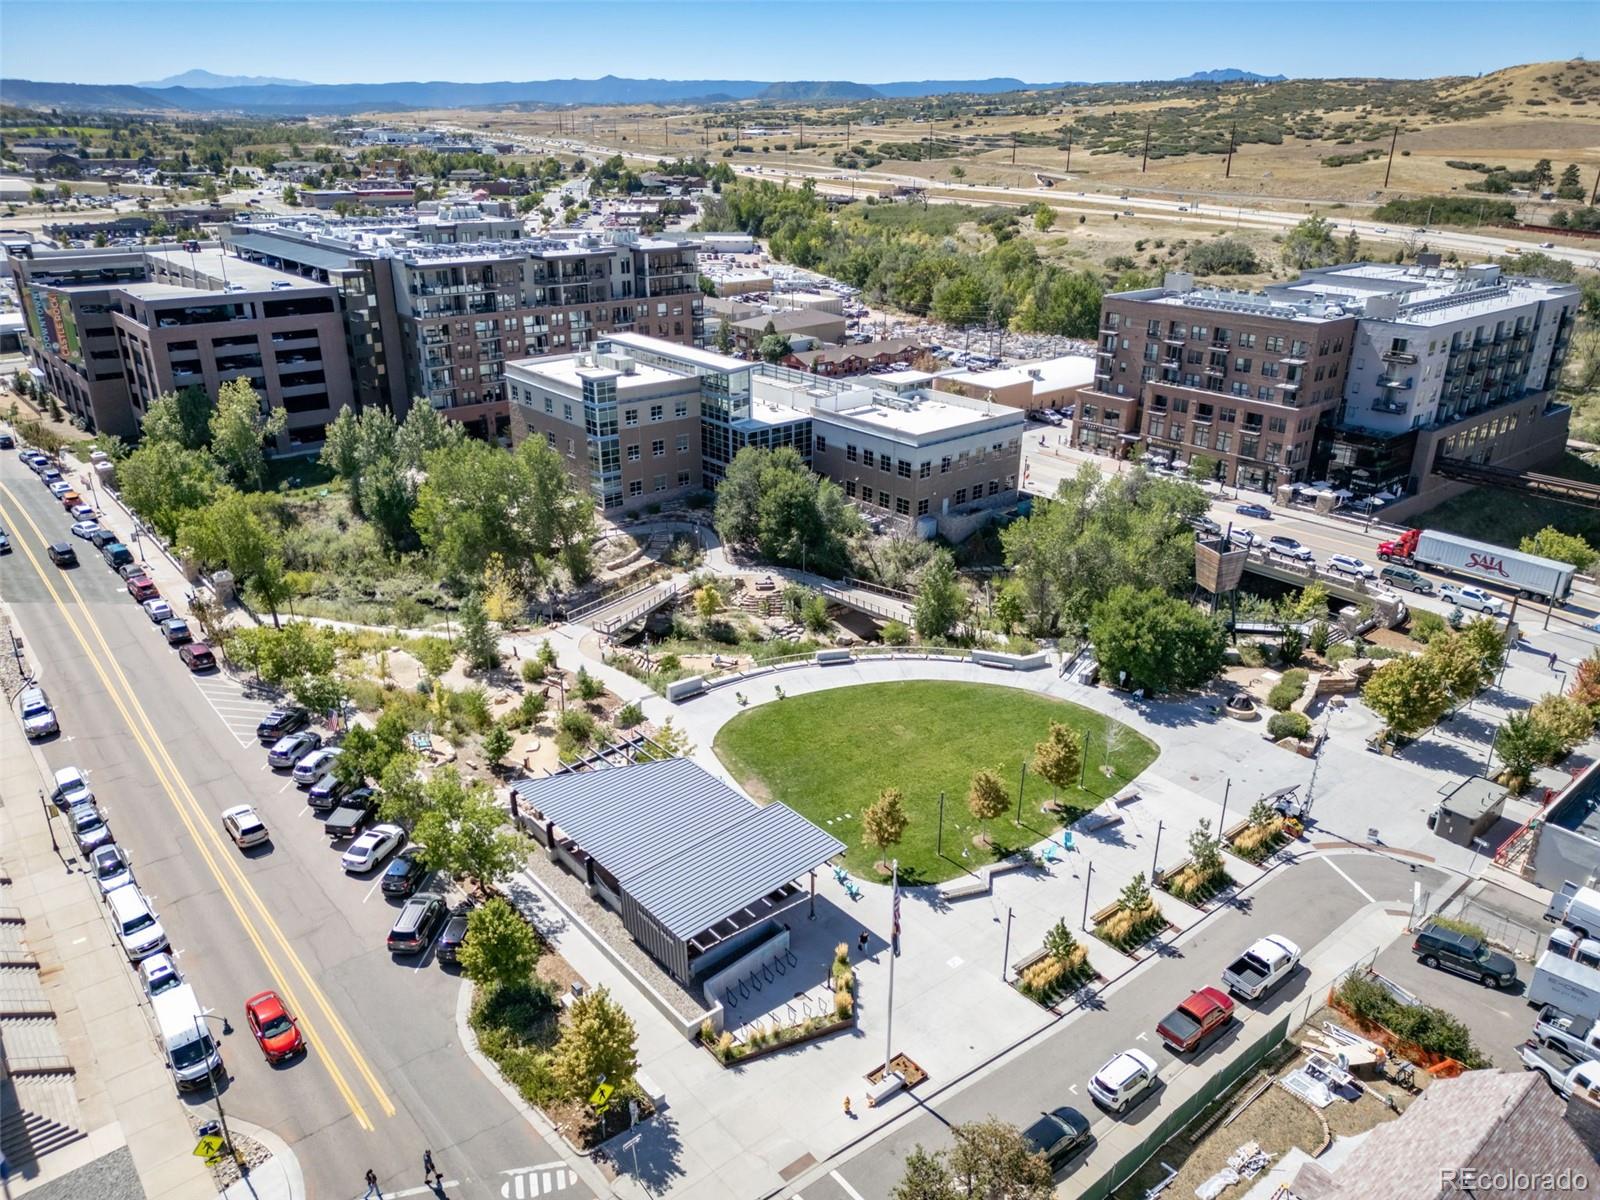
(1223, 256)
(497, 744)
(477, 640)
(991, 1159)
(1570, 186)
(500, 949)
(1058, 760)
(925, 1177)
(1310, 244)
(1147, 639)
(1205, 851)
(1407, 694)
(291, 195)
(1543, 174)
(1135, 894)
(1524, 743)
(434, 655)
(1569, 722)
(940, 601)
(269, 586)
(365, 753)
(1585, 687)
(1550, 542)
(708, 601)
(1043, 217)
(232, 532)
(1458, 666)
(182, 417)
(401, 797)
(502, 593)
(1485, 637)
(1010, 607)
(773, 347)
(724, 337)
(239, 430)
(987, 797)
(464, 831)
(1203, 467)
(319, 692)
(884, 822)
(771, 501)
(162, 483)
(598, 1042)
(1060, 942)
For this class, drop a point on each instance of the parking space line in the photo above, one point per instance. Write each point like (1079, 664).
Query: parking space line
(1348, 880)
(845, 1184)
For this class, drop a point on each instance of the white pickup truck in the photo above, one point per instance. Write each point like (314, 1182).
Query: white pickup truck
(1261, 968)
(1578, 1037)
(1566, 1074)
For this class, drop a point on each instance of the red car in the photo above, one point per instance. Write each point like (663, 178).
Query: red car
(197, 656)
(1197, 1020)
(141, 589)
(275, 1030)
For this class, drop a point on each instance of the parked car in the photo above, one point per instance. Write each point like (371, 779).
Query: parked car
(314, 766)
(1464, 954)
(58, 486)
(1348, 564)
(275, 1030)
(1473, 598)
(1239, 536)
(158, 974)
(103, 537)
(197, 656)
(281, 722)
(1206, 526)
(1123, 1079)
(38, 718)
(141, 588)
(1262, 968)
(327, 792)
(136, 925)
(371, 848)
(130, 570)
(83, 513)
(71, 787)
(85, 529)
(1259, 511)
(1289, 547)
(111, 867)
(287, 751)
(1196, 1022)
(89, 828)
(448, 948)
(1060, 1135)
(405, 873)
(243, 825)
(1406, 578)
(418, 921)
(157, 610)
(176, 631)
(62, 554)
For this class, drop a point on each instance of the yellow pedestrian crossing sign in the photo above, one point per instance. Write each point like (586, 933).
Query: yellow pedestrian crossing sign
(600, 1098)
(209, 1148)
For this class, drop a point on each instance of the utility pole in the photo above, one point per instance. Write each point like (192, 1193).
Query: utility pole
(1232, 136)
(666, 131)
(1594, 193)
(847, 135)
(1146, 162)
(1390, 167)
(1013, 147)
(1069, 148)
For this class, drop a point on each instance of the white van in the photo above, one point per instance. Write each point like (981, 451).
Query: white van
(186, 1043)
(135, 921)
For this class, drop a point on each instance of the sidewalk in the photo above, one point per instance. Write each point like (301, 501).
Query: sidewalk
(124, 1092)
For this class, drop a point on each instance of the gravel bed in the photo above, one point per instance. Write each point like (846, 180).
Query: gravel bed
(225, 1171)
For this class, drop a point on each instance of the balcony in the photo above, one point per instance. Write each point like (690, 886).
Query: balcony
(1400, 356)
(1106, 351)
(1392, 407)
(1388, 381)
(1294, 360)
(1216, 372)
(1175, 339)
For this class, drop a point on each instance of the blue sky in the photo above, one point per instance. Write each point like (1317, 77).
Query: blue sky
(372, 41)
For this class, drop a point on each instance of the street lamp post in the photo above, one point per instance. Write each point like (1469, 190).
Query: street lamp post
(1022, 782)
(939, 848)
(1005, 954)
(216, 1091)
(49, 822)
(1088, 880)
(1160, 825)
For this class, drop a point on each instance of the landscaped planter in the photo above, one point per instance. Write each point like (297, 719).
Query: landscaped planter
(1037, 981)
(1176, 882)
(1110, 930)
(791, 1035)
(1256, 844)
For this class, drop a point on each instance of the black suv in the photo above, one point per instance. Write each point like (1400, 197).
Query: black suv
(101, 538)
(63, 555)
(455, 932)
(279, 722)
(405, 873)
(418, 921)
(1464, 954)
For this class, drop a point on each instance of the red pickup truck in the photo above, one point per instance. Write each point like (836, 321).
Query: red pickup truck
(1197, 1020)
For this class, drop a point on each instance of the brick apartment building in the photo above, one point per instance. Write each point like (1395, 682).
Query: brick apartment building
(1361, 374)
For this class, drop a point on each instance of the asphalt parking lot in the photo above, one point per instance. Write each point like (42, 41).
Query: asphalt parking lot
(1500, 1021)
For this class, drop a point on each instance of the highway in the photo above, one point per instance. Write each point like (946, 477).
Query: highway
(1306, 903)
(166, 752)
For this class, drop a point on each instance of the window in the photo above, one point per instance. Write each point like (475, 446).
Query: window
(850, 488)
(657, 412)
(1202, 436)
(994, 487)
(1242, 365)
(549, 404)
(1274, 345)
(661, 483)
(1247, 341)
(683, 479)
(944, 465)
(1224, 441)
(922, 508)
(903, 469)
(683, 442)
(885, 463)
(1275, 424)
(566, 412)
(849, 453)
(883, 499)
(681, 409)
(924, 470)
(1152, 329)
(571, 453)
(821, 442)
(902, 506)
(633, 453)
(658, 448)
(550, 439)
(961, 496)
(635, 487)
(866, 458)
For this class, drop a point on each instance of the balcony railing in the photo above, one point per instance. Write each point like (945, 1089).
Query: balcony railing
(1400, 356)
(1388, 381)
(1395, 407)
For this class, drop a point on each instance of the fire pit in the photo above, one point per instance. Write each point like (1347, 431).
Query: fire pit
(1241, 708)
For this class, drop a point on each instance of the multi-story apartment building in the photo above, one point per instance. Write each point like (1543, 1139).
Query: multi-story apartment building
(454, 295)
(1462, 363)
(641, 421)
(111, 330)
(1363, 374)
(1241, 378)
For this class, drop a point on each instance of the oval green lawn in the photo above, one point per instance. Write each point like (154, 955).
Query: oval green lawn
(828, 755)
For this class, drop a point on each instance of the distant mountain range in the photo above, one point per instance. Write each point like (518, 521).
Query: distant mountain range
(203, 91)
(205, 79)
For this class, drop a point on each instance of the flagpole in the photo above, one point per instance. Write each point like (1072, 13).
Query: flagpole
(894, 953)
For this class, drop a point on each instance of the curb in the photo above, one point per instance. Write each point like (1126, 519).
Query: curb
(285, 1159)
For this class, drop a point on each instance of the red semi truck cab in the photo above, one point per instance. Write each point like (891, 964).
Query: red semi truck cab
(1401, 548)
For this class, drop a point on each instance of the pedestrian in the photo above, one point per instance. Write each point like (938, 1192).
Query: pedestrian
(372, 1185)
(429, 1172)
(1552, 660)
(848, 1111)
(861, 942)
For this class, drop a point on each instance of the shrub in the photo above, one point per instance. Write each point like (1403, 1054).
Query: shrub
(1433, 1029)
(629, 715)
(1426, 625)
(1288, 725)
(1287, 690)
(532, 670)
(578, 725)
(896, 633)
(1459, 926)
